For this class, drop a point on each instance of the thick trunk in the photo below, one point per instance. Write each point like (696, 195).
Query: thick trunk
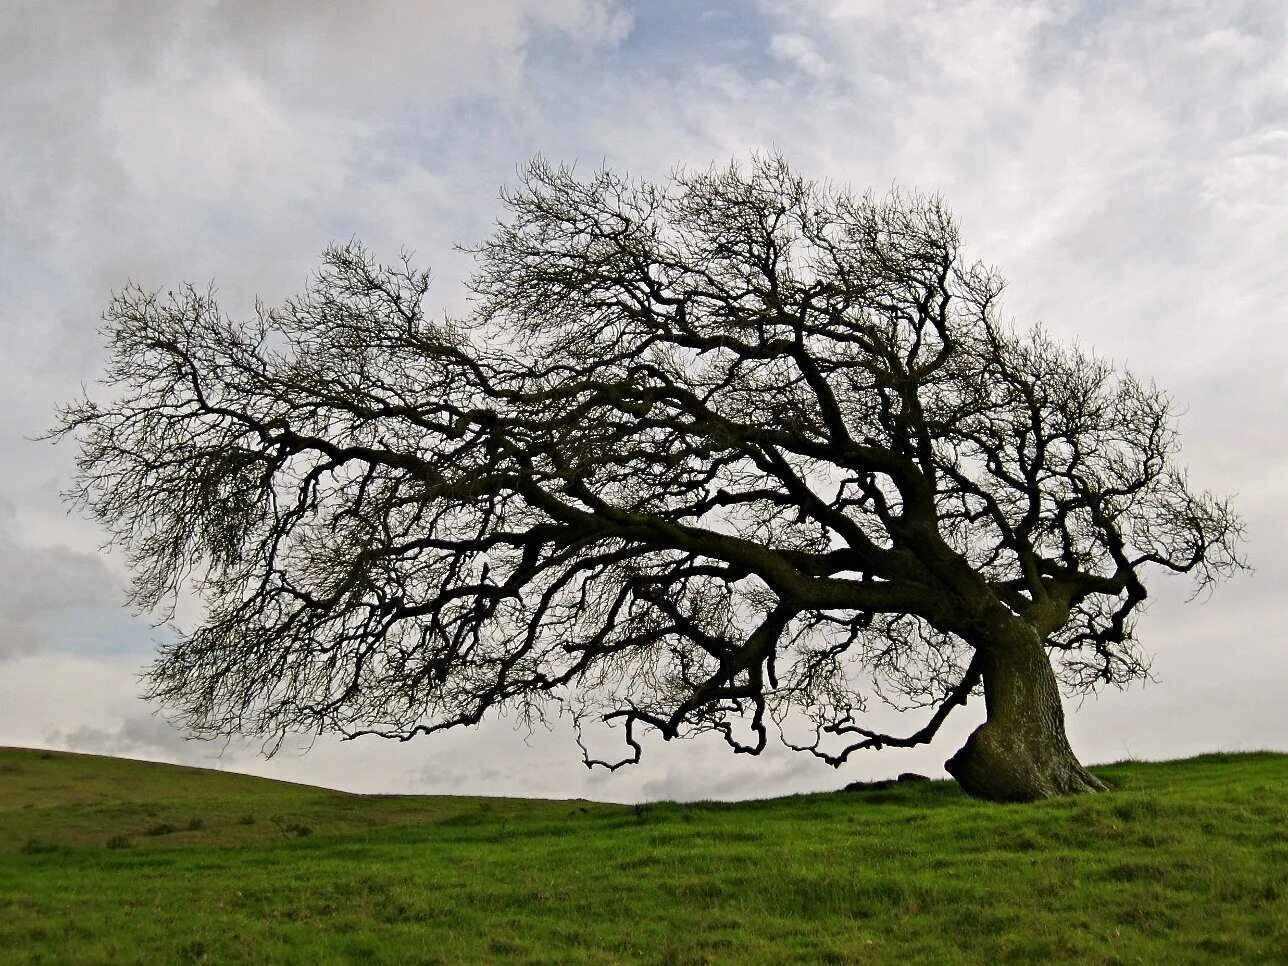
(1020, 753)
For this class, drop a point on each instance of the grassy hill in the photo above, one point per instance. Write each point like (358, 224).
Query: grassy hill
(105, 859)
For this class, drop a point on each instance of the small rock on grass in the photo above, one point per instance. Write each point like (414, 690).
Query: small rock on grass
(903, 779)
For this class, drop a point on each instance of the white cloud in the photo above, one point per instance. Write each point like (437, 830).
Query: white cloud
(799, 51)
(141, 736)
(1248, 181)
(44, 589)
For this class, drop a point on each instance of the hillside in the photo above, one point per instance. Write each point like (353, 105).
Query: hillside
(51, 799)
(109, 860)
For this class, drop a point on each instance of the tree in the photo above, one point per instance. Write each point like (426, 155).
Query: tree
(729, 453)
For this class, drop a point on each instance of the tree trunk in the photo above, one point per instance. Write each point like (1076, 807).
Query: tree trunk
(1021, 752)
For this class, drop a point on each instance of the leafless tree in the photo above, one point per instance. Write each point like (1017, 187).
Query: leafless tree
(731, 453)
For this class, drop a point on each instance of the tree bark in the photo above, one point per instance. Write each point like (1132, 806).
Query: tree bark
(1020, 753)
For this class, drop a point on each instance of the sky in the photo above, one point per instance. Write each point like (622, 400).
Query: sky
(1124, 164)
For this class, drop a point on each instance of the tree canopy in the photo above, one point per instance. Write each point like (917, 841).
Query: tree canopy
(732, 453)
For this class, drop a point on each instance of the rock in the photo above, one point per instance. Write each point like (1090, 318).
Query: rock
(906, 777)
(869, 786)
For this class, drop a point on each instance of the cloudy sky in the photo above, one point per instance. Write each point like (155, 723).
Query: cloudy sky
(1125, 164)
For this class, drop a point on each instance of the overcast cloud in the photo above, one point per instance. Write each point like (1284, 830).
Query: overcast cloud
(1124, 164)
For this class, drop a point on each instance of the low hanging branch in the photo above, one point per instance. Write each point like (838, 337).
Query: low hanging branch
(724, 454)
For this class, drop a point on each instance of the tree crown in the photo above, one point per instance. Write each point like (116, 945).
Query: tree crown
(704, 456)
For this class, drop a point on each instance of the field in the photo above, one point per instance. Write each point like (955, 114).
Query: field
(105, 859)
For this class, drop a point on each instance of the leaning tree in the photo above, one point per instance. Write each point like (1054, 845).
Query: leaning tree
(732, 453)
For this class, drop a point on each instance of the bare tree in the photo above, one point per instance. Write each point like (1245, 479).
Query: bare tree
(727, 454)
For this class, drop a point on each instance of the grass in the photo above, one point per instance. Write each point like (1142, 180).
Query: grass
(1183, 862)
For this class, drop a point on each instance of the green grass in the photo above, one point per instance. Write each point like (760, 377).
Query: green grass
(109, 860)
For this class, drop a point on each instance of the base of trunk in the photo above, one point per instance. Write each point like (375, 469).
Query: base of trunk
(1021, 753)
(1004, 764)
